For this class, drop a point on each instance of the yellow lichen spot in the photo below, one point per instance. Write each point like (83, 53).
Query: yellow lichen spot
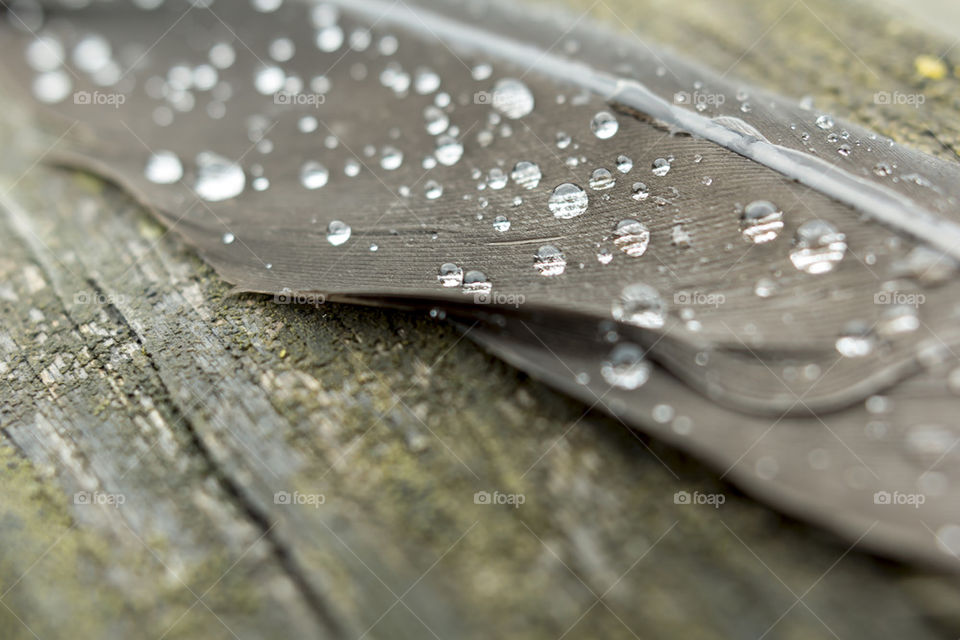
(930, 68)
(283, 353)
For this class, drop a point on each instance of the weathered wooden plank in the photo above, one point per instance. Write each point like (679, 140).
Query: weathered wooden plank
(129, 371)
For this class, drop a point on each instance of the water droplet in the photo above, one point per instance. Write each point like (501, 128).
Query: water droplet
(450, 275)
(631, 237)
(549, 261)
(433, 189)
(501, 224)
(602, 179)
(228, 238)
(218, 178)
(512, 98)
(476, 282)
(568, 201)
(92, 54)
(624, 164)
(640, 305)
(45, 53)
(437, 120)
(329, 38)
(661, 167)
(526, 174)
(857, 341)
(338, 232)
(391, 158)
(426, 81)
(496, 179)
(163, 167)
(604, 256)
(313, 175)
(52, 87)
(825, 122)
(351, 168)
(845, 150)
(626, 367)
(640, 191)
(765, 287)
(818, 247)
(761, 222)
(449, 151)
(897, 320)
(269, 80)
(882, 169)
(563, 140)
(604, 125)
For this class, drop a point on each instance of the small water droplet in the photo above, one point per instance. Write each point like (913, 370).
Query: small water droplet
(496, 179)
(433, 189)
(228, 238)
(549, 261)
(217, 178)
(825, 122)
(437, 120)
(624, 164)
(501, 224)
(765, 287)
(640, 305)
(604, 256)
(857, 341)
(338, 232)
(163, 167)
(526, 174)
(426, 81)
(604, 125)
(476, 282)
(626, 367)
(631, 237)
(602, 179)
(882, 169)
(761, 222)
(313, 175)
(568, 201)
(52, 87)
(818, 247)
(512, 98)
(450, 275)
(449, 150)
(391, 158)
(640, 191)
(661, 167)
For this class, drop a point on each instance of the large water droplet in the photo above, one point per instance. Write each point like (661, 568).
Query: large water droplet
(526, 174)
(391, 158)
(476, 282)
(338, 232)
(450, 275)
(92, 54)
(825, 122)
(568, 201)
(512, 98)
(640, 305)
(269, 80)
(163, 167)
(761, 222)
(52, 87)
(218, 178)
(313, 175)
(631, 237)
(626, 367)
(549, 261)
(818, 247)
(604, 125)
